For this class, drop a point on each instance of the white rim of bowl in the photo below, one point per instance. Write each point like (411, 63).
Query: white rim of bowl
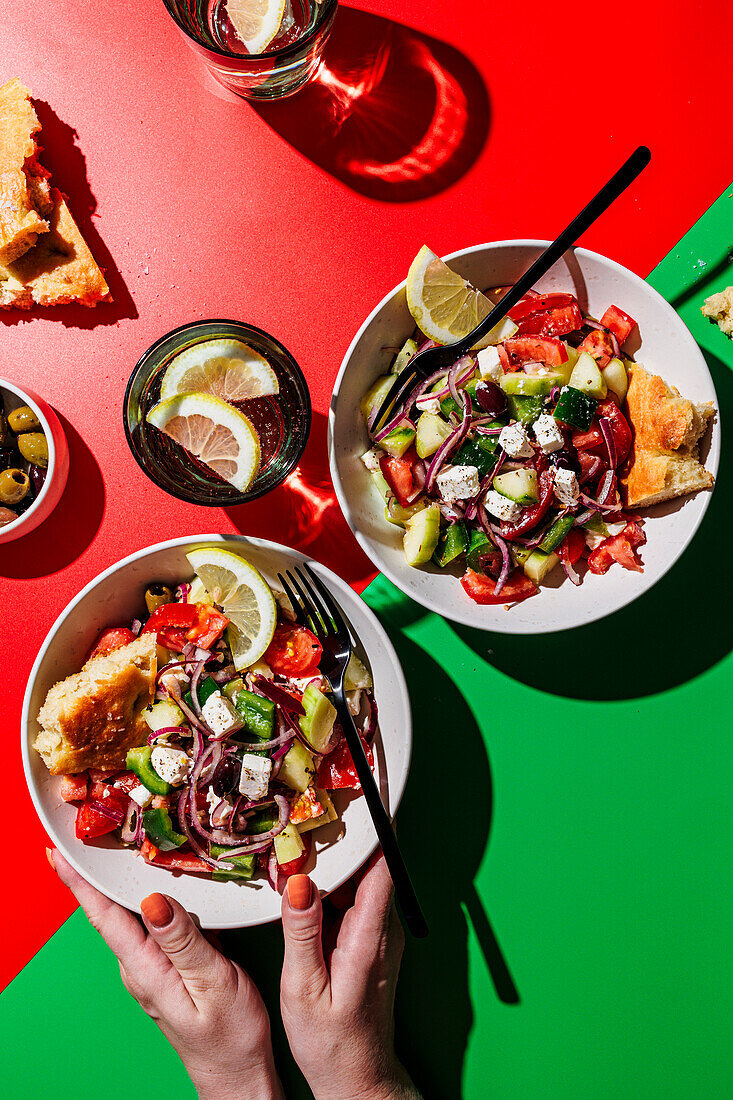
(712, 460)
(265, 545)
(5, 384)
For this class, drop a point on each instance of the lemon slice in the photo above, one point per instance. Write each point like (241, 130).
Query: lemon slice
(256, 22)
(215, 432)
(445, 307)
(245, 597)
(225, 368)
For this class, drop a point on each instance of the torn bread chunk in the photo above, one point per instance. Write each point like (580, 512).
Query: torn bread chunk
(91, 719)
(24, 197)
(664, 458)
(719, 308)
(59, 269)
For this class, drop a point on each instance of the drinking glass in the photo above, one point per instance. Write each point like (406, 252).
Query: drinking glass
(282, 421)
(290, 61)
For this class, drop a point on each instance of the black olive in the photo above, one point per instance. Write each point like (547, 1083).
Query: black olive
(226, 776)
(37, 475)
(490, 563)
(491, 398)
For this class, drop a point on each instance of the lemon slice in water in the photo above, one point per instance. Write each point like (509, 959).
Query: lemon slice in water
(225, 368)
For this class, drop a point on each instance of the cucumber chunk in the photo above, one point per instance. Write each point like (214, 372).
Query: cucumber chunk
(520, 554)
(398, 441)
(422, 534)
(587, 378)
(614, 375)
(532, 385)
(404, 355)
(297, 769)
(432, 430)
(451, 544)
(357, 675)
(288, 844)
(556, 533)
(320, 715)
(575, 409)
(395, 513)
(525, 409)
(379, 483)
(518, 485)
(479, 543)
(480, 452)
(163, 714)
(539, 564)
(375, 395)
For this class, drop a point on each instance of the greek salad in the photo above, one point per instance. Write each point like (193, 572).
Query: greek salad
(240, 762)
(505, 465)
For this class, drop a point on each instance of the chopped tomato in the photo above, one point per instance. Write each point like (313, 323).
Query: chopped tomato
(209, 628)
(179, 860)
(598, 344)
(619, 425)
(588, 441)
(112, 638)
(110, 796)
(483, 589)
(532, 515)
(506, 364)
(295, 866)
(552, 322)
(91, 822)
(74, 787)
(543, 349)
(621, 548)
(620, 324)
(127, 781)
(588, 463)
(293, 651)
(540, 303)
(572, 546)
(337, 770)
(397, 472)
(172, 616)
(305, 807)
(179, 623)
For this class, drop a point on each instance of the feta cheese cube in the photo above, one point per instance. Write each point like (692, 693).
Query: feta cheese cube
(458, 483)
(515, 441)
(489, 365)
(142, 796)
(220, 715)
(595, 538)
(172, 765)
(255, 776)
(225, 807)
(353, 701)
(502, 507)
(175, 676)
(371, 460)
(428, 403)
(548, 433)
(566, 487)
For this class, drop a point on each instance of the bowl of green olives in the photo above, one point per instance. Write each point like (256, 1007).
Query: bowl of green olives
(34, 461)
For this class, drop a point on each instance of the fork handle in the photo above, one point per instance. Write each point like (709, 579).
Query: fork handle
(618, 183)
(404, 892)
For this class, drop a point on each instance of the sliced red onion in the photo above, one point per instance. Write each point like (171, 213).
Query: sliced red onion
(450, 511)
(282, 749)
(276, 695)
(274, 876)
(483, 518)
(506, 563)
(111, 812)
(194, 688)
(605, 487)
(583, 517)
(372, 718)
(256, 842)
(419, 471)
(593, 324)
(168, 667)
(184, 805)
(164, 730)
(133, 824)
(174, 691)
(210, 762)
(392, 424)
(136, 626)
(611, 335)
(554, 393)
(481, 430)
(224, 675)
(182, 592)
(592, 470)
(534, 367)
(605, 425)
(569, 571)
(253, 804)
(449, 445)
(466, 367)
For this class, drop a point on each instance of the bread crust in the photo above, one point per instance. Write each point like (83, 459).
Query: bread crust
(91, 719)
(21, 213)
(663, 462)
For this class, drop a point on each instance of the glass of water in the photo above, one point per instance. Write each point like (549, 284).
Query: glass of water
(216, 31)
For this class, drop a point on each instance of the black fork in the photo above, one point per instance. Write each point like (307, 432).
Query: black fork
(315, 608)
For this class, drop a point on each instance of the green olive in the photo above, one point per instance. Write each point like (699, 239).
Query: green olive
(7, 515)
(24, 419)
(157, 595)
(34, 448)
(14, 485)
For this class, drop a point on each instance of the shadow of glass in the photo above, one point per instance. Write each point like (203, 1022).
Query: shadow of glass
(392, 113)
(71, 526)
(67, 165)
(676, 631)
(304, 513)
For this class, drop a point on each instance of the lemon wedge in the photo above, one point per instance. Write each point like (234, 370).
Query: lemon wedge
(225, 368)
(446, 307)
(218, 434)
(257, 22)
(245, 597)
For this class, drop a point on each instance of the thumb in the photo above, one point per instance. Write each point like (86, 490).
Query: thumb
(189, 951)
(304, 969)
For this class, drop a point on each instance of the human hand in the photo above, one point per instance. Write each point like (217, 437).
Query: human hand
(339, 1015)
(205, 1005)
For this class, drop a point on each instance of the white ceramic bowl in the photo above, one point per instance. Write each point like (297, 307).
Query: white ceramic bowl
(58, 461)
(663, 344)
(114, 597)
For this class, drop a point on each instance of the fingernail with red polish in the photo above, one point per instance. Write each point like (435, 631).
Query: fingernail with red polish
(49, 857)
(299, 891)
(157, 909)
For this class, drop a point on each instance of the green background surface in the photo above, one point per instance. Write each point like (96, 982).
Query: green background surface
(577, 877)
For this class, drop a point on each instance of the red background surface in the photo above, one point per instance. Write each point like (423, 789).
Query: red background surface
(200, 205)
